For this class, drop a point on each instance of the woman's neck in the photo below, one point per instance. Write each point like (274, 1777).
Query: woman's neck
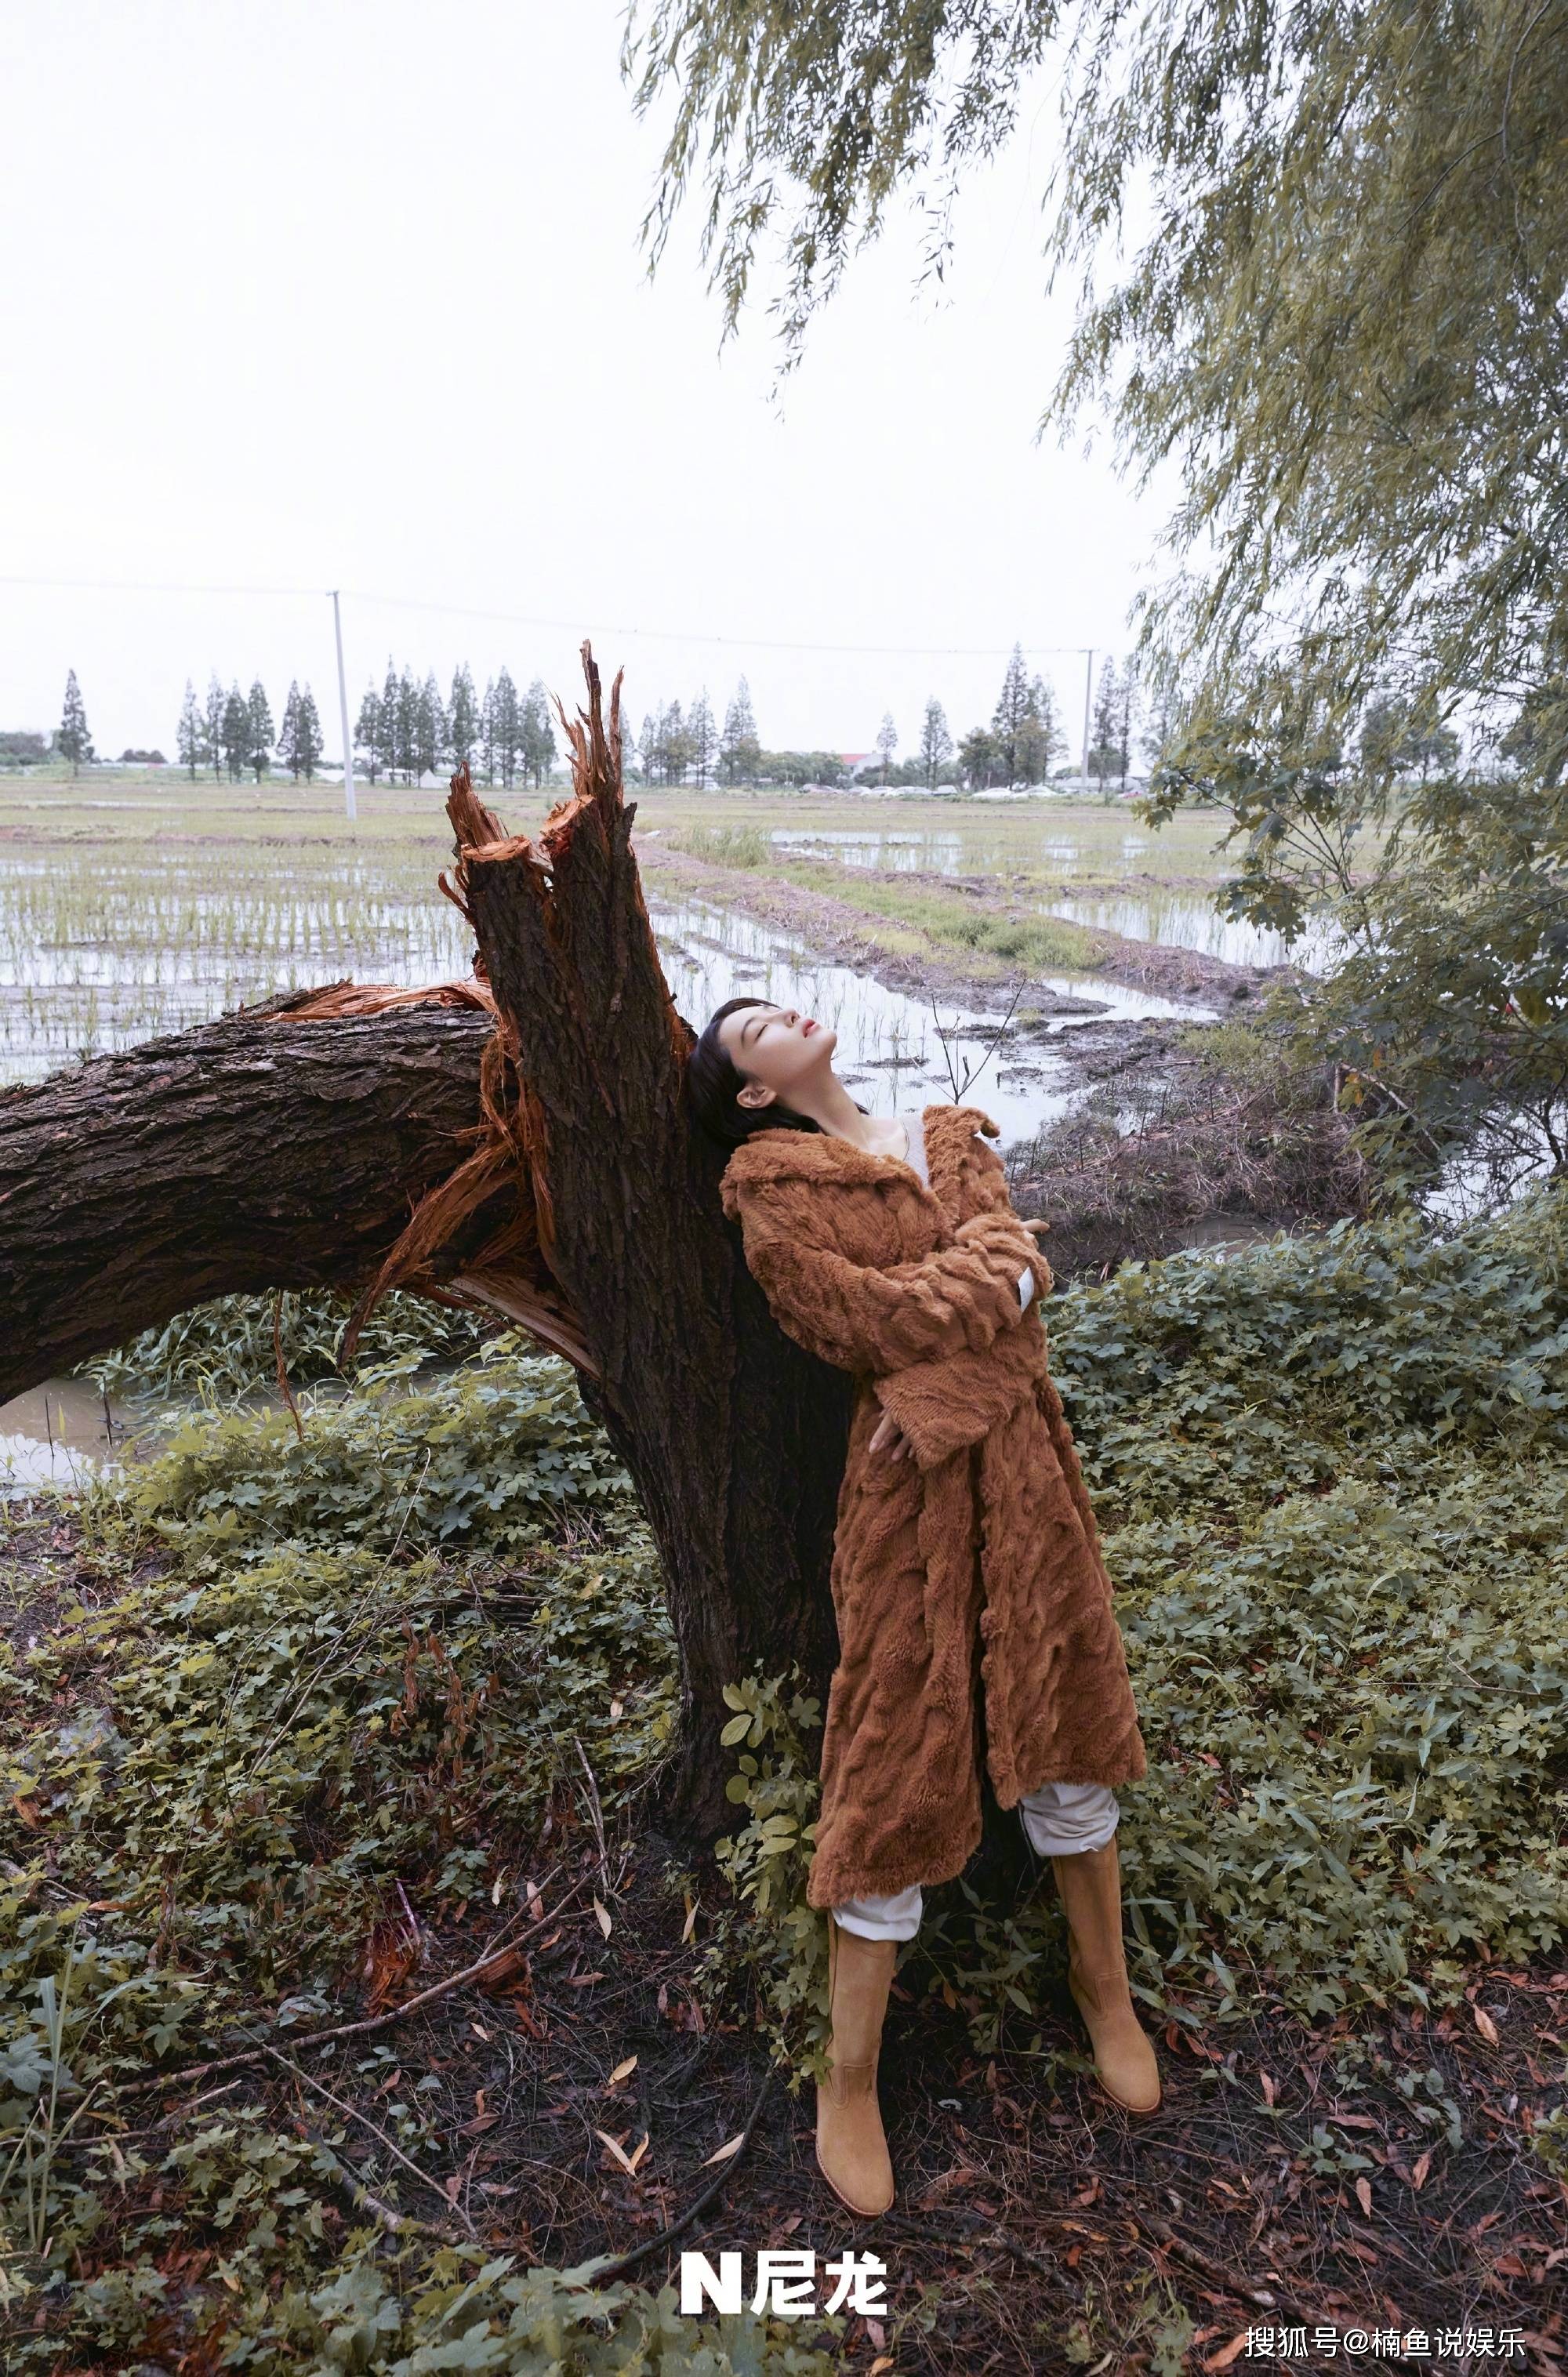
(833, 1109)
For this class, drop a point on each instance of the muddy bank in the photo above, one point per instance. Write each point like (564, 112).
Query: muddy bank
(1146, 1143)
(832, 925)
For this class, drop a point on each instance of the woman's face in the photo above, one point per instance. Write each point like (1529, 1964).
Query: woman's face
(777, 1048)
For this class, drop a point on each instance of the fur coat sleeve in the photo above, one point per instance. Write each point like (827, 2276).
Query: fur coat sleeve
(863, 1317)
(942, 1335)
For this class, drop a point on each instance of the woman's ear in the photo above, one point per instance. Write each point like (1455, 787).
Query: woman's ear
(755, 1093)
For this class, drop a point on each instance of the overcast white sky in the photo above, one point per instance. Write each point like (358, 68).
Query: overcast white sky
(309, 292)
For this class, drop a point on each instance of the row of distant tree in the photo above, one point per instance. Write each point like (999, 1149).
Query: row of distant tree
(1021, 742)
(233, 733)
(408, 730)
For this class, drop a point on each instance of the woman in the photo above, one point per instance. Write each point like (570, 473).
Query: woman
(974, 1611)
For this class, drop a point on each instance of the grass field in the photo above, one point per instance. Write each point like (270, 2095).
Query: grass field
(138, 903)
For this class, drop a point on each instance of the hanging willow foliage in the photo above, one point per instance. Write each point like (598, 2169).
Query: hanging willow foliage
(1340, 303)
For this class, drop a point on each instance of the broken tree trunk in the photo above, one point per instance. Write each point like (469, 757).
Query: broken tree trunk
(735, 1437)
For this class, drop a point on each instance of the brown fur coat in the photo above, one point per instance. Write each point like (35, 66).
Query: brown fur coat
(971, 1597)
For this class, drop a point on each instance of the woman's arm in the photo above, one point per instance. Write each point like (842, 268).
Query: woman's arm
(862, 1317)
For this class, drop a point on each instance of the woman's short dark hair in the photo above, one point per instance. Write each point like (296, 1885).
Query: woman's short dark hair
(716, 1080)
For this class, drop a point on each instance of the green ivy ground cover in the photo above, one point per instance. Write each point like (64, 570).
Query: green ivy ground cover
(1332, 1478)
(263, 1679)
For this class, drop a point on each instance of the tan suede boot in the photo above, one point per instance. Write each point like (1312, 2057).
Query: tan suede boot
(852, 2151)
(1089, 1882)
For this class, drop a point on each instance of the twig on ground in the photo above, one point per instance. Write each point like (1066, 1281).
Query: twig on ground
(412, 1923)
(361, 2195)
(976, 2238)
(598, 1814)
(1218, 2274)
(601, 2273)
(165, 2120)
(309, 2080)
(283, 1386)
(345, 2029)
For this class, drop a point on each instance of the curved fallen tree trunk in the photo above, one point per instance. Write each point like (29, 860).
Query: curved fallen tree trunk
(262, 1151)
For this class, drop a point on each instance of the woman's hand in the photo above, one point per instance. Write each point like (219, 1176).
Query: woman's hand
(890, 1434)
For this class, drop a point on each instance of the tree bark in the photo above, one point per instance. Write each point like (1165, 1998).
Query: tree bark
(734, 1436)
(262, 1151)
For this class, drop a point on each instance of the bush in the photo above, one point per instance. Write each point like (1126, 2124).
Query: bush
(229, 1346)
(487, 1460)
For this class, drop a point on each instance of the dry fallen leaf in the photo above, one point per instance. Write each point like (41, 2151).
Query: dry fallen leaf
(1228, 2354)
(690, 1917)
(1270, 2093)
(602, 1912)
(615, 1709)
(882, 2360)
(621, 2070)
(496, 1889)
(724, 2152)
(1418, 2176)
(1485, 2024)
(628, 2162)
(1364, 2196)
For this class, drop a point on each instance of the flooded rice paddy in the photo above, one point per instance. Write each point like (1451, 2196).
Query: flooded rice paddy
(109, 935)
(894, 1051)
(127, 917)
(1186, 921)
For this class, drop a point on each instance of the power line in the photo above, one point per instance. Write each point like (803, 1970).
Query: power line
(570, 626)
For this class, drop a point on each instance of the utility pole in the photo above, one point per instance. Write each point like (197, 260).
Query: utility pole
(1088, 690)
(344, 712)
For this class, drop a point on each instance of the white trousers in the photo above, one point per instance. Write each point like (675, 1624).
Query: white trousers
(1058, 1820)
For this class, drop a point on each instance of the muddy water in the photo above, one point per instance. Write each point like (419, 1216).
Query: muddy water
(1183, 921)
(893, 1052)
(953, 850)
(59, 1434)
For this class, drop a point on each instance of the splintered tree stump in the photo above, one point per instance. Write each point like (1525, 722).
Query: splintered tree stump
(735, 1437)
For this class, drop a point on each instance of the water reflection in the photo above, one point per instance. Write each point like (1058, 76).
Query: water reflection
(1183, 921)
(923, 853)
(891, 1052)
(59, 1434)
